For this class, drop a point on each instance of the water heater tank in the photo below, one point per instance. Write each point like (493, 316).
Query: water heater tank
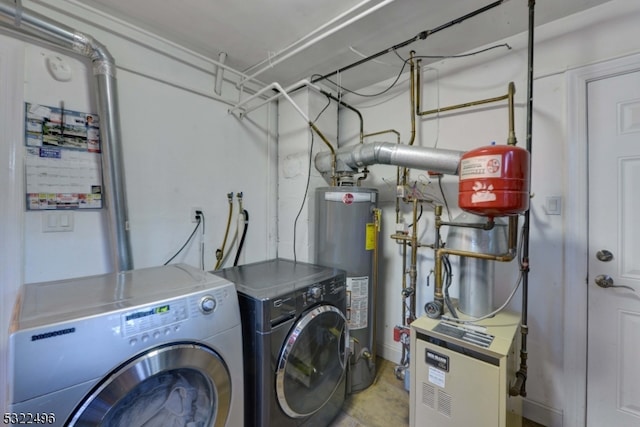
(345, 238)
(494, 181)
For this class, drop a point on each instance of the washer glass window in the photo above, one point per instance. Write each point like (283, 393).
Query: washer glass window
(311, 364)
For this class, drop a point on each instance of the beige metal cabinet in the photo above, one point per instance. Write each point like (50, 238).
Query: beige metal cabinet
(460, 374)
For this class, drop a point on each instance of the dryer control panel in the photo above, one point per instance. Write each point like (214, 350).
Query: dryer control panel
(158, 316)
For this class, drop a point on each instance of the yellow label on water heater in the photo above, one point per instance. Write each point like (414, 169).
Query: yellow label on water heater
(370, 243)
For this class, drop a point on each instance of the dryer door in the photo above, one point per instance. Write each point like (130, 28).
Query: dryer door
(178, 384)
(312, 361)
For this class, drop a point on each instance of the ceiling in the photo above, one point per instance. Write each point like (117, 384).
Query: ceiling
(256, 34)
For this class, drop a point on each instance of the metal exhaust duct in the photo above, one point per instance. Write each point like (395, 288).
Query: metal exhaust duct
(43, 28)
(348, 159)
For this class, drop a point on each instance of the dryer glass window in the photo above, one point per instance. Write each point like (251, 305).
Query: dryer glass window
(312, 363)
(177, 385)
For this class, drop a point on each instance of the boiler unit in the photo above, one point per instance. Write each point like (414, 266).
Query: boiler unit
(346, 238)
(460, 373)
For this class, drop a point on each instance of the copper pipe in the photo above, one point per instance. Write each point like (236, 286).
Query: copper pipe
(413, 272)
(382, 132)
(511, 90)
(465, 105)
(412, 101)
(404, 281)
(419, 87)
(331, 149)
(377, 219)
(511, 140)
(438, 294)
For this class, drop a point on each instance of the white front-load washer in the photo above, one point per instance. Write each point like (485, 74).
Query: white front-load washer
(160, 346)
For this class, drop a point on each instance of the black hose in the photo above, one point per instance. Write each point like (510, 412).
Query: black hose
(448, 272)
(245, 214)
(420, 36)
(187, 242)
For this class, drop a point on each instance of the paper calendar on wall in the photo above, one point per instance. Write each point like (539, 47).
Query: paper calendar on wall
(62, 159)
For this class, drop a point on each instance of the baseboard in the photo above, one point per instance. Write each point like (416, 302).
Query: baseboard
(390, 353)
(542, 414)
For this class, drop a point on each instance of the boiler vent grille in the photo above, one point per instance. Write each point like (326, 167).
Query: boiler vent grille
(429, 395)
(444, 403)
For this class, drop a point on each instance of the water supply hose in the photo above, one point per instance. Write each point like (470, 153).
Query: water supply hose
(220, 251)
(245, 217)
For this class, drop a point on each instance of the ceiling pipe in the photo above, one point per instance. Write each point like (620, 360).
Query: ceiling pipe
(241, 106)
(44, 29)
(420, 36)
(300, 40)
(273, 63)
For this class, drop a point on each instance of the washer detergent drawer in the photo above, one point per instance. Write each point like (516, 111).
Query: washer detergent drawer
(311, 364)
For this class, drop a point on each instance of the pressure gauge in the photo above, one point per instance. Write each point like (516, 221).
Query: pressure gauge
(433, 309)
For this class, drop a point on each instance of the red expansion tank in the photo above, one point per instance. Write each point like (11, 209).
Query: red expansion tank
(494, 181)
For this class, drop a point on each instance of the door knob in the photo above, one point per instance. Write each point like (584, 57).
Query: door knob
(605, 281)
(604, 255)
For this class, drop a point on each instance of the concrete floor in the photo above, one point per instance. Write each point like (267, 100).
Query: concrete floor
(384, 404)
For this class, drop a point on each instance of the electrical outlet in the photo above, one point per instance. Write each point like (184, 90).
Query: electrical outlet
(194, 216)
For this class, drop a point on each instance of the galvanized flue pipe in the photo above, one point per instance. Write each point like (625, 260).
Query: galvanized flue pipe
(42, 28)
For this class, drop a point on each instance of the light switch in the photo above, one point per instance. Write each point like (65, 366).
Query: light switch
(57, 221)
(52, 220)
(553, 205)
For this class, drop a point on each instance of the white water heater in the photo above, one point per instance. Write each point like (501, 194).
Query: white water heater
(460, 374)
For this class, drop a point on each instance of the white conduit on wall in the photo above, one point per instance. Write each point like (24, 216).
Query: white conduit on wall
(33, 24)
(300, 40)
(348, 22)
(241, 106)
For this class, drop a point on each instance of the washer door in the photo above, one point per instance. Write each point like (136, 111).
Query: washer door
(312, 362)
(174, 385)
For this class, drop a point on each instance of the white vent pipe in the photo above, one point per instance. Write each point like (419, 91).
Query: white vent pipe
(349, 159)
(274, 61)
(43, 28)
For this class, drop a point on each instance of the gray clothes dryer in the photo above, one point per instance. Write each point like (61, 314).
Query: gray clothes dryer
(294, 337)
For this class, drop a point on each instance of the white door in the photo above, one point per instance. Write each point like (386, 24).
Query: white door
(613, 377)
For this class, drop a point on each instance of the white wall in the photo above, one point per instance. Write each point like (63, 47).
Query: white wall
(11, 181)
(181, 149)
(605, 32)
(296, 144)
